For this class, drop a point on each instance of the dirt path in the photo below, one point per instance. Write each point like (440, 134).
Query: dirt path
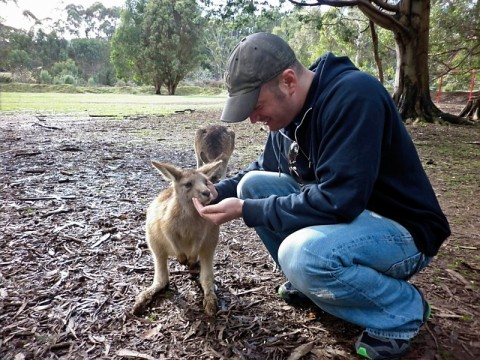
(73, 255)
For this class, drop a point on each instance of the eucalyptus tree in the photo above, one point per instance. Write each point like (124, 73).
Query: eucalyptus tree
(303, 30)
(49, 48)
(92, 56)
(172, 33)
(127, 49)
(455, 38)
(409, 21)
(95, 19)
(19, 57)
(100, 20)
(229, 21)
(455, 47)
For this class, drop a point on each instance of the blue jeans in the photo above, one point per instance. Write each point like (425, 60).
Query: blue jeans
(355, 271)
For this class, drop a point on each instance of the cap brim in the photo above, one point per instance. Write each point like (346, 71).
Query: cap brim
(238, 108)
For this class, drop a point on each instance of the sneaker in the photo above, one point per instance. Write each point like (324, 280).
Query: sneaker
(291, 295)
(375, 347)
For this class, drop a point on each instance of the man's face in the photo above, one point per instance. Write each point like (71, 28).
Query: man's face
(273, 108)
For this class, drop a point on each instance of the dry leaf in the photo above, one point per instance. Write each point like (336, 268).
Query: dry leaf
(134, 354)
(300, 351)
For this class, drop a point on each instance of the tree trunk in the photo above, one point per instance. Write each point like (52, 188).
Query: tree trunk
(409, 20)
(158, 86)
(472, 109)
(376, 55)
(172, 87)
(412, 91)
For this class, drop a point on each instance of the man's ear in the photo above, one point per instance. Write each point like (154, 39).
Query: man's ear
(289, 80)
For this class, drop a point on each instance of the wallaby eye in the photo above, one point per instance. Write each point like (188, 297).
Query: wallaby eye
(188, 185)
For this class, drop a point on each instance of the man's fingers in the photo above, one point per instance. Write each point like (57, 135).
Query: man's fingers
(202, 209)
(198, 205)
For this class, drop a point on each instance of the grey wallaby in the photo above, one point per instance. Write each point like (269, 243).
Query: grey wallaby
(214, 142)
(174, 228)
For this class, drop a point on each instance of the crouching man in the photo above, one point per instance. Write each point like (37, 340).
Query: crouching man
(338, 196)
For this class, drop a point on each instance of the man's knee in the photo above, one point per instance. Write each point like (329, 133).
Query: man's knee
(262, 184)
(246, 186)
(301, 263)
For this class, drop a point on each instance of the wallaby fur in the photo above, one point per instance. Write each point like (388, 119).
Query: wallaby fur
(214, 142)
(174, 228)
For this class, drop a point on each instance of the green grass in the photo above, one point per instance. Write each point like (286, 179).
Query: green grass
(74, 89)
(105, 103)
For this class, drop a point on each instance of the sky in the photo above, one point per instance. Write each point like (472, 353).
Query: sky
(12, 14)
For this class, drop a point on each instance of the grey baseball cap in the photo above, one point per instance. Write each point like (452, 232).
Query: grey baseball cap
(256, 59)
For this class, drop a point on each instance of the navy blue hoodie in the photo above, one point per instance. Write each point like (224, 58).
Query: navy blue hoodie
(356, 154)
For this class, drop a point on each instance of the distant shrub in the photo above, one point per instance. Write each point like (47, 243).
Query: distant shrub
(45, 77)
(106, 77)
(23, 76)
(91, 81)
(69, 80)
(67, 67)
(5, 77)
(120, 83)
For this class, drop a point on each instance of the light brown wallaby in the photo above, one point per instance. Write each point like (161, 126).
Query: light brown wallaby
(214, 142)
(174, 228)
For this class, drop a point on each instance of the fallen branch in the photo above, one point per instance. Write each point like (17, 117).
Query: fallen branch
(48, 197)
(69, 148)
(99, 115)
(60, 210)
(61, 345)
(249, 291)
(60, 228)
(456, 276)
(184, 111)
(101, 240)
(433, 336)
(35, 171)
(27, 153)
(48, 127)
(133, 354)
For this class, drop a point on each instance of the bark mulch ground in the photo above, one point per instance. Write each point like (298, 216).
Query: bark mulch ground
(73, 256)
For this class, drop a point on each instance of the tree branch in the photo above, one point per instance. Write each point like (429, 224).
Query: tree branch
(375, 13)
(386, 6)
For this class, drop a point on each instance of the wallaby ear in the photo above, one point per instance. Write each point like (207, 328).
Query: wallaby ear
(211, 169)
(168, 171)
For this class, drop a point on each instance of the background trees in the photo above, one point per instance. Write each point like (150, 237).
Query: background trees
(409, 21)
(454, 39)
(162, 43)
(127, 48)
(171, 36)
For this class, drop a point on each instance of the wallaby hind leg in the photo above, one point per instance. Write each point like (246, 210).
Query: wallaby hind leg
(206, 280)
(160, 280)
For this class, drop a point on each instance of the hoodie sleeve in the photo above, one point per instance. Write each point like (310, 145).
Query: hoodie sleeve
(271, 159)
(348, 130)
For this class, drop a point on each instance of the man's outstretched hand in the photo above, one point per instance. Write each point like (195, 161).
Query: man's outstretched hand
(226, 210)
